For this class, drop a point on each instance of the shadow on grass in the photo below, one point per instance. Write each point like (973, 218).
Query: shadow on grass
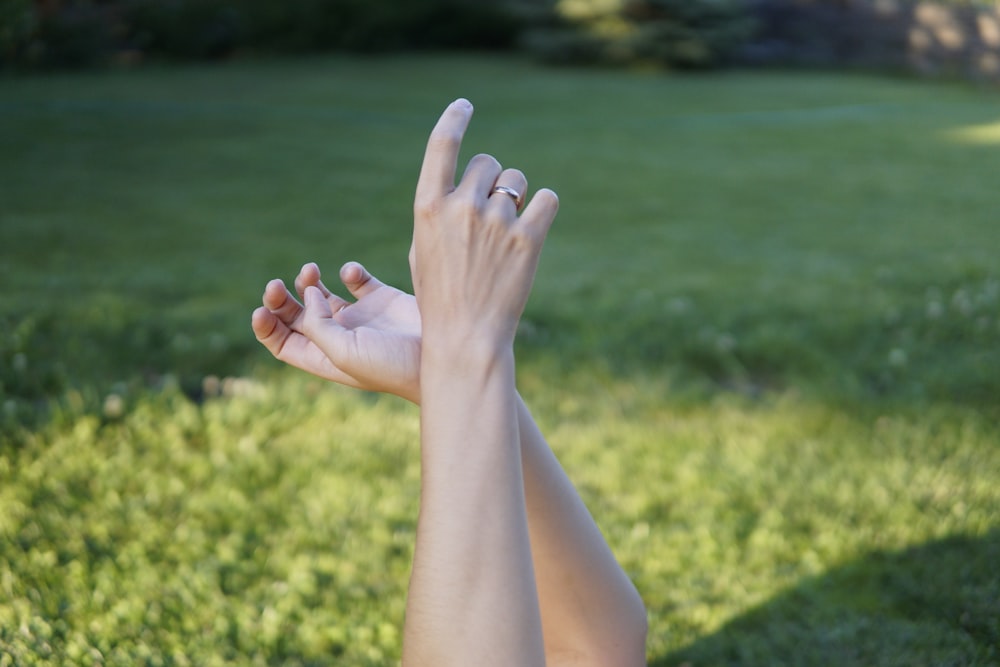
(936, 604)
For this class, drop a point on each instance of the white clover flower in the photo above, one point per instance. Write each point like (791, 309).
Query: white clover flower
(114, 406)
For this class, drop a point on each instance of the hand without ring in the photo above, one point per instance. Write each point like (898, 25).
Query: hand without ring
(511, 192)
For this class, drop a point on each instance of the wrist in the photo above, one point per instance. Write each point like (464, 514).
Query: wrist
(458, 353)
(485, 338)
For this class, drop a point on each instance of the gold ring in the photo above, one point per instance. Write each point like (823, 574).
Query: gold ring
(510, 192)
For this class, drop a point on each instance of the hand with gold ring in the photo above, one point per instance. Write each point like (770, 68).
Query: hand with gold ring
(474, 258)
(371, 343)
(510, 192)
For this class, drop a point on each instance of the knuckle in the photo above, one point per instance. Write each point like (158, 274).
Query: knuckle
(466, 196)
(496, 216)
(426, 207)
(484, 160)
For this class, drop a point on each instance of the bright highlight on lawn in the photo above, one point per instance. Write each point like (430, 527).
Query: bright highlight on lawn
(764, 342)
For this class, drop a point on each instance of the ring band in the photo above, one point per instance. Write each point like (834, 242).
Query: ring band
(510, 192)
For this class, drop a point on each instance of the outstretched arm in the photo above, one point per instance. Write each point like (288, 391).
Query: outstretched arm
(472, 596)
(590, 611)
(592, 615)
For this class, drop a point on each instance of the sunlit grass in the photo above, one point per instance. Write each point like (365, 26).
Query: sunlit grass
(987, 135)
(274, 523)
(243, 531)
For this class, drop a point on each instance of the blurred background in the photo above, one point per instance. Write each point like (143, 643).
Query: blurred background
(764, 339)
(960, 37)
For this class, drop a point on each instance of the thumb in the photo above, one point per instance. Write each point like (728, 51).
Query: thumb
(324, 331)
(318, 314)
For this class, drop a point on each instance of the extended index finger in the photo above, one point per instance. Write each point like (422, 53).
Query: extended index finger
(437, 174)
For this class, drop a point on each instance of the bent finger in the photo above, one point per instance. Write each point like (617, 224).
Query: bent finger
(539, 213)
(509, 191)
(309, 274)
(358, 281)
(295, 349)
(280, 302)
(269, 330)
(480, 175)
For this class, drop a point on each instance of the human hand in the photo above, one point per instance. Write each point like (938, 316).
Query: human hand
(371, 344)
(473, 259)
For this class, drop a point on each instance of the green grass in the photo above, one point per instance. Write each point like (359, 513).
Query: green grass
(764, 340)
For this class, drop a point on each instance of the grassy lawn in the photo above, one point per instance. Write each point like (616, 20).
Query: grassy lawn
(765, 341)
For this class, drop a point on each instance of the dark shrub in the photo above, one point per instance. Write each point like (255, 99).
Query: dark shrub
(676, 33)
(824, 34)
(360, 25)
(460, 24)
(566, 45)
(688, 34)
(80, 34)
(189, 29)
(18, 23)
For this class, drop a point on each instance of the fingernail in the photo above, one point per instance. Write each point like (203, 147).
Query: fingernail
(462, 103)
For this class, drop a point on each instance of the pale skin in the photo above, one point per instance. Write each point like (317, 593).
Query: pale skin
(509, 567)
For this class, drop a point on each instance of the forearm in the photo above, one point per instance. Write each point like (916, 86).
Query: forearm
(590, 610)
(472, 595)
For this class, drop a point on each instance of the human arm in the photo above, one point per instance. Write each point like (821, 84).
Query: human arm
(592, 615)
(472, 595)
(590, 612)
